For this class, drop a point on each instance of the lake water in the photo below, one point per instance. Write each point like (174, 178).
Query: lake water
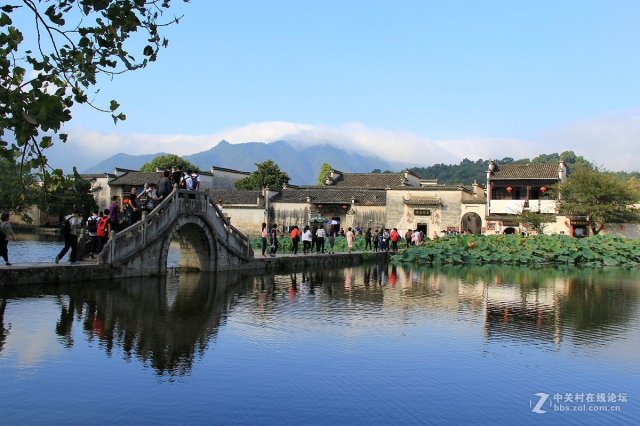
(30, 248)
(373, 344)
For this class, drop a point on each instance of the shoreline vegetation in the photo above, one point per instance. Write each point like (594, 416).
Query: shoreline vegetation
(517, 250)
(538, 250)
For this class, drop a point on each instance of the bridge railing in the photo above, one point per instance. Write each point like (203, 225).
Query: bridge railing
(241, 242)
(127, 242)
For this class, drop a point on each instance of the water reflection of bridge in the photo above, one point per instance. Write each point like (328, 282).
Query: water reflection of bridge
(164, 323)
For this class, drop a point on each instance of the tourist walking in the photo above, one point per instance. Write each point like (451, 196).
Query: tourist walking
(332, 241)
(195, 181)
(306, 240)
(273, 239)
(133, 203)
(164, 185)
(104, 229)
(114, 212)
(295, 239)
(385, 239)
(394, 236)
(92, 228)
(314, 238)
(264, 235)
(350, 237)
(367, 240)
(147, 198)
(407, 237)
(176, 177)
(6, 232)
(320, 234)
(70, 231)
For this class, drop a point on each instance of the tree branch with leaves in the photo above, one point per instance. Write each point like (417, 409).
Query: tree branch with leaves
(74, 43)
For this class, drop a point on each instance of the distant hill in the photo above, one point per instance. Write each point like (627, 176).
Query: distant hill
(302, 164)
(124, 161)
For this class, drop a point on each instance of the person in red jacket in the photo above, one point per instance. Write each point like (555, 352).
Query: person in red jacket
(295, 239)
(394, 236)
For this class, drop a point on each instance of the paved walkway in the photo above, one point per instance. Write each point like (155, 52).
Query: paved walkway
(257, 258)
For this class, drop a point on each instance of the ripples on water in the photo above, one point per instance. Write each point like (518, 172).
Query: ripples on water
(373, 344)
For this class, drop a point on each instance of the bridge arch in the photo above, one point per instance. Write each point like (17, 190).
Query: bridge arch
(197, 244)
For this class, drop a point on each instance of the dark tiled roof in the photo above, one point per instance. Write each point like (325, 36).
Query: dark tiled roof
(474, 201)
(436, 188)
(332, 195)
(89, 176)
(370, 180)
(136, 178)
(234, 196)
(222, 169)
(525, 171)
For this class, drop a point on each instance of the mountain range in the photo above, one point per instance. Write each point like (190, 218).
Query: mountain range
(301, 163)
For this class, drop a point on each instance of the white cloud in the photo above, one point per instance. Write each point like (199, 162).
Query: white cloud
(392, 145)
(608, 140)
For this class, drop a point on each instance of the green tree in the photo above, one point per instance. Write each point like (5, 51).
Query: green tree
(600, 196)
(325, 170)
(267, 175)
(18, 187)
(56, 61)
(535, 221)
(72, 193)
(161, 162)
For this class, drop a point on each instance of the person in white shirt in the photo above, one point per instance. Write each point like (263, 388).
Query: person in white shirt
(320, 234)
(71, 228)
(195, 181)
(306, 240)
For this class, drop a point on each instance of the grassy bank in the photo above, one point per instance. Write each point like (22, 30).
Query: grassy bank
(518, 250)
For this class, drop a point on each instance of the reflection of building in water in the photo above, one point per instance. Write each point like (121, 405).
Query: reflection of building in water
(511, 311)
(509, 302)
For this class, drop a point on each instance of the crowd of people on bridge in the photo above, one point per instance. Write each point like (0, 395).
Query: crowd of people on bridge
(120, 214)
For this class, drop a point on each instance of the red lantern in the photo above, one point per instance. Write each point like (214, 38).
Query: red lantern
(509, 189)
(543, 189)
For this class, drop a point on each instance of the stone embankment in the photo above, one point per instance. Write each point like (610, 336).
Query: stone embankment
(86, 272)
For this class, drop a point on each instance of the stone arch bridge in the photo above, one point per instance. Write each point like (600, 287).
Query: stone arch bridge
(208, 242)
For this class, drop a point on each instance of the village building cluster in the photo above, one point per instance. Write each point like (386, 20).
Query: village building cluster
(384, 200)
(399, 200)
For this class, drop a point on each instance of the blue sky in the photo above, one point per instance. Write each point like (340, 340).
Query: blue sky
(416, 81)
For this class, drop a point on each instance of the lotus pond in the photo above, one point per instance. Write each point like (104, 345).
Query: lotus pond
(594, 251)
